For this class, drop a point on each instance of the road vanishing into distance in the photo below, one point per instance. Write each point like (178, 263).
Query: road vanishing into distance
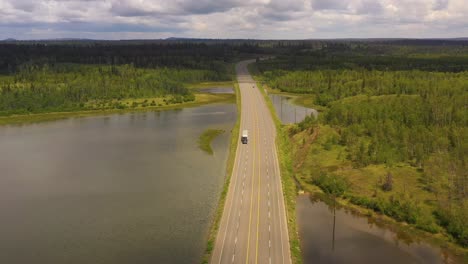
(253, 226)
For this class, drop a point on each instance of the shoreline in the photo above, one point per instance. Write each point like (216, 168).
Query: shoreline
(207, 137)
(216, 219)
(436, 240)
(200, 99)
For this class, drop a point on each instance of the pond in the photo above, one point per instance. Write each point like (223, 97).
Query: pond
(288, 112)
(345, 237)
(123, 188)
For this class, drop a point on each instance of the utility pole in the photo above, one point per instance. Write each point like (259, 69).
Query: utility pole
(295, 119)
(334, 222)
(281, 109)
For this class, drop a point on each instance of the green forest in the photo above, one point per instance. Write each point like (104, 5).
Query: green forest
(393, 133)
(43, 78)
(68, 87)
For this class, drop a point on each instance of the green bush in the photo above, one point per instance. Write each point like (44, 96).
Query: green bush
(331, 184)
(401, 208)
(427, 224)
(365, 202)
(309, 121)
(189, 98)
(121, 106)
(454, 219)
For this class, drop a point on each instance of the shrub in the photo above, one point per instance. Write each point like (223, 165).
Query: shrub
(331, 184)
(401, 208)
(189, 98)
(309, 121)
(388, 184)
(454, 219)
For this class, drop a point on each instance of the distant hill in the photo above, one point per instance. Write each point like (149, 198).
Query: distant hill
(70, 39)
(174, 40)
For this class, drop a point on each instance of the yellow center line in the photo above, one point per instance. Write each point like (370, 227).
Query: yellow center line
(259, 180)
(251, 196)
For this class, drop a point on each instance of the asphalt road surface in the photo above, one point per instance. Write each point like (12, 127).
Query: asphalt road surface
(253, 226)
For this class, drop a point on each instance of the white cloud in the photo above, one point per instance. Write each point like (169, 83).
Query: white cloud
(295, 19)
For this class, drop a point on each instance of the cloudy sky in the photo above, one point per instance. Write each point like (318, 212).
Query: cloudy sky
(260, 19)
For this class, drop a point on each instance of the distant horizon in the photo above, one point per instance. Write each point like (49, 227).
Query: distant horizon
(233, 19)
(228, 39)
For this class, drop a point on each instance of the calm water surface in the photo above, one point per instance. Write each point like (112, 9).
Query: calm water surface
(356, 239)
(217, 90)
(287, 111)
(130, 188)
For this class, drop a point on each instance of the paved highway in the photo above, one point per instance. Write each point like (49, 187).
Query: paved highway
(253, 226)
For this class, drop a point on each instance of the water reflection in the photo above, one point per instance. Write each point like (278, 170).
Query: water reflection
(330, 234)
(217, 90)
(287, 111)
(128, 188)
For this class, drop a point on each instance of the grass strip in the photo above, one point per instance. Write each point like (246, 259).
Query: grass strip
(205, 139)
(210, 84)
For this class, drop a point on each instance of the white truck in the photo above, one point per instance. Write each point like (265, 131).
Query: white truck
(245, 136)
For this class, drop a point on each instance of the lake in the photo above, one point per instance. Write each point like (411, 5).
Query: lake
(123, 188)
(287, 111)
(351, 238)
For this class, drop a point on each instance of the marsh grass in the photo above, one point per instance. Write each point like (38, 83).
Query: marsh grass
(205, 139)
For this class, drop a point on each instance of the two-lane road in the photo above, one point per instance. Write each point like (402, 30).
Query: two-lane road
(253, 226)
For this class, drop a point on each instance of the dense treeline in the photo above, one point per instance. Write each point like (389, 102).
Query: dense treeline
(391, 110)
(153, 55)
(62, 76)
(405, 115)
(212, 53)
(321, 60)
(331, 85)
(67, 87)
(444, 56)
(390, 129)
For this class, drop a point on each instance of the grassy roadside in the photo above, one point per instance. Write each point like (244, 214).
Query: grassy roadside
(205, 139)
(210, 84)
(287, 178)
(229, 167)
(200, 99)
